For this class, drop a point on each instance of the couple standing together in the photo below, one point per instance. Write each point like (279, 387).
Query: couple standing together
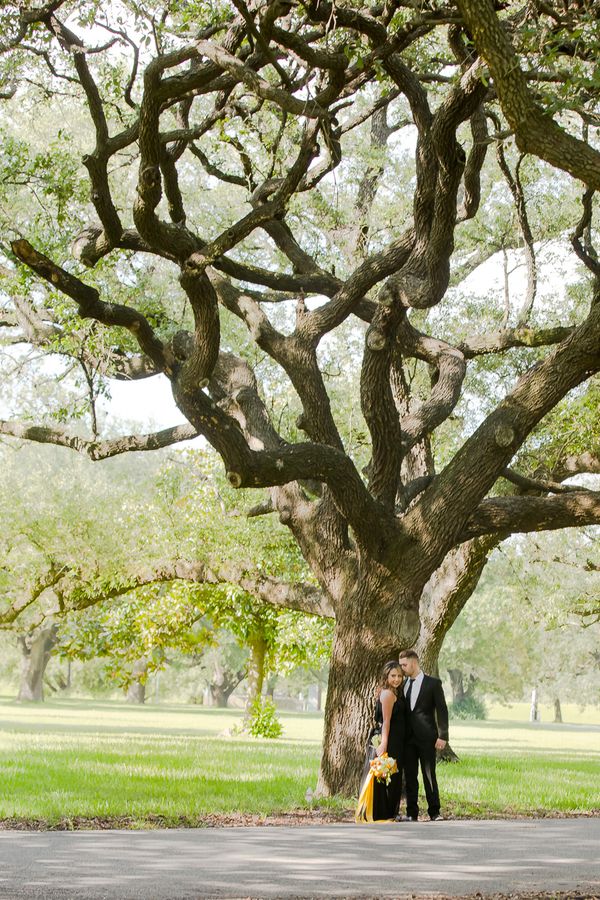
(412, 717)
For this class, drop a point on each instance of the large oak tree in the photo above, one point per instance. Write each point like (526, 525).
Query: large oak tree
(266, 99)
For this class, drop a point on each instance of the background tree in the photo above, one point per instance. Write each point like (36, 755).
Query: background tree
(36, 648)
(135, 631)
(523, 628)
(266, 102)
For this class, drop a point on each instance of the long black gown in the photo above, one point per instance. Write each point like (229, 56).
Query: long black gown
(386, 798)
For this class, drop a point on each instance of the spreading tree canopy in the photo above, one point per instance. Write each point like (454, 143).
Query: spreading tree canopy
(281, 196)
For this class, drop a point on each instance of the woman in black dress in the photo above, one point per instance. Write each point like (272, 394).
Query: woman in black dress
(390, 720)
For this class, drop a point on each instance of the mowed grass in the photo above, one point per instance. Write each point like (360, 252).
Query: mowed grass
(516, 768)
(73, 760)
(104, 760)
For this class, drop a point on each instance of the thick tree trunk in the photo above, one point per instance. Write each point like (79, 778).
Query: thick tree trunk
(136, 692)
(256, 669)
(36, 648)
(364, 639)
(557, 710)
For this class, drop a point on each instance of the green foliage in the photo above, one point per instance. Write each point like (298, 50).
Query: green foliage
(262, 720)
(571, 428)
(49, 174)
(92, 528)
(522, 627)
(467, 708)
(142, 624)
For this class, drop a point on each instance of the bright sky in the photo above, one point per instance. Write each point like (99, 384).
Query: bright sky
(148, 402)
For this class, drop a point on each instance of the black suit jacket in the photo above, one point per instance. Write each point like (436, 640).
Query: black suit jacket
(428, 721)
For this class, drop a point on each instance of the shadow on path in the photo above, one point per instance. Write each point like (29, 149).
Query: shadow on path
(387, 860)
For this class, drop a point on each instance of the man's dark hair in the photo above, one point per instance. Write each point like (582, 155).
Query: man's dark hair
(408, 654)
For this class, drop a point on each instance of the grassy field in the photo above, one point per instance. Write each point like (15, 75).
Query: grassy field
(519, 712)
(76, 759)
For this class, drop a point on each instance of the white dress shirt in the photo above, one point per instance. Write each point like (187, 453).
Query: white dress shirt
(415, 688)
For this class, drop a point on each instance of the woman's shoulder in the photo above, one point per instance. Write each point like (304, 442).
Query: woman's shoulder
(386, 695)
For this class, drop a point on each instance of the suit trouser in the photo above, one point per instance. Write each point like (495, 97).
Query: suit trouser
(423, 755)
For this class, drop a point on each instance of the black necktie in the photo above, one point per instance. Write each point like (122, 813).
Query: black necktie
(409, 691)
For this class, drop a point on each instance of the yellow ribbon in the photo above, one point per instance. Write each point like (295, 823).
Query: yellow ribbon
(364, 807)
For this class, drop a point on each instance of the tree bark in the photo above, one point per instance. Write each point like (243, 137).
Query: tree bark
(36, 648)
(364, 639)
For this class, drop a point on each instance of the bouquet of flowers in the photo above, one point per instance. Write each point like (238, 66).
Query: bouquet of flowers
(380, 769)
(383, 767)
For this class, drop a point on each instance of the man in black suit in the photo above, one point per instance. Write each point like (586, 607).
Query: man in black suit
(427, 719)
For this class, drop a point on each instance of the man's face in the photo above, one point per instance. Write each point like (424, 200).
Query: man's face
(409, 666)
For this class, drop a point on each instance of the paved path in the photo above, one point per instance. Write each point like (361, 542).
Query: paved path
(446, 858)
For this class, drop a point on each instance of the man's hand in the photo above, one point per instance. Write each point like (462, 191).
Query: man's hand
(440, 744)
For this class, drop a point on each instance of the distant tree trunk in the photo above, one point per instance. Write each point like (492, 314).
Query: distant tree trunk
(60, 683)
(534, 713)
(36, 648)
(557, 710)
(320, 683)
(256, 669)
(270, 689)
(223, 684)
(457, 685)
(136, 692)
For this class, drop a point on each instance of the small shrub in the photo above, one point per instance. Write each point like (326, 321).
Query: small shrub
(467, 708)
(263, 721)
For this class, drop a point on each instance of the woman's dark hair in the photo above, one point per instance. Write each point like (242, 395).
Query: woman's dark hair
(385, 674)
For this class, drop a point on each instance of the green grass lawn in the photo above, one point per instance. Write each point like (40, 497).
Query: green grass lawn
(75, 759)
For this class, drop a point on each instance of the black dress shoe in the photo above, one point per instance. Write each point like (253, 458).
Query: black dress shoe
(406, 819)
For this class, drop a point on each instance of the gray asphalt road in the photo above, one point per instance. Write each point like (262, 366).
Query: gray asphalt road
(445, 858)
